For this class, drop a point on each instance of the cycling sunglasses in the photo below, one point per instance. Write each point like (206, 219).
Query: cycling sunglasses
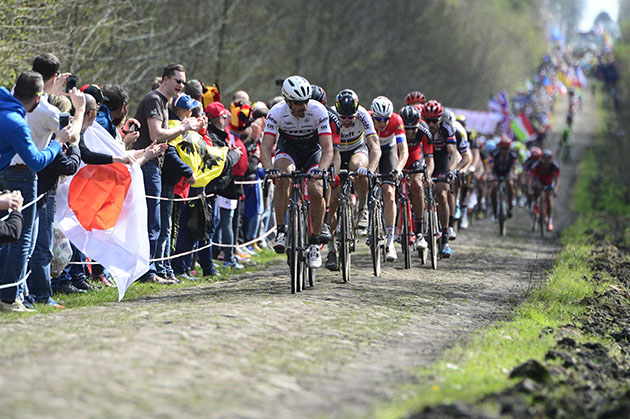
(299, 102)
(432, 120)
(347, 116)
(380, 118)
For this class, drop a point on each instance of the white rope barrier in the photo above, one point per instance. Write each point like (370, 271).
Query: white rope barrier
(33, 202)
(195, 250)
(15, 284)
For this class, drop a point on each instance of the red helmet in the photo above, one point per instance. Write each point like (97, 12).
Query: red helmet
(536, 153)
(505, 141)
(432, 110)
(415, 97)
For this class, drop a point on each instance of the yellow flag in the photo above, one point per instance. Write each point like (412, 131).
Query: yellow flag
(207, 162)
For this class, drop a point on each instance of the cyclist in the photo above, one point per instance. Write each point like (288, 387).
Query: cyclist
(545, 175)
(475, 167)
(446, 160)
(466, 159)
(391, 133)
(416, 98)
(360, 152)
(573, 105)
(420, 153)
(304, 143)
(502, 163)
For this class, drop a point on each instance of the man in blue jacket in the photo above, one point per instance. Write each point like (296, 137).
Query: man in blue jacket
(15, 138)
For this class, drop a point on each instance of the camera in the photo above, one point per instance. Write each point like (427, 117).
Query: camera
(133, 127)
(71, 82)
(64, 120)
(279, 82)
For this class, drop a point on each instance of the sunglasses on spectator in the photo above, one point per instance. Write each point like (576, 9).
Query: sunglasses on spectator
(347, 116)
(380, 118)
(40, 93)
(180, 81)
(299, 102)
(432, 120)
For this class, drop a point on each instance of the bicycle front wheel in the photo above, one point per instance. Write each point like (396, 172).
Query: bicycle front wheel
(293, 252)
(344, 240)
(405, 234)
(376, 237)
(502, 211)
(433, 236)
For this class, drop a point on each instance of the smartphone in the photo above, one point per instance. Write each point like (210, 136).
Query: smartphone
(71, 82)
(64, 120)
(133, 127)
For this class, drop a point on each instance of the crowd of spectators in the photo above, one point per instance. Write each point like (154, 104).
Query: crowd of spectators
(189, 207)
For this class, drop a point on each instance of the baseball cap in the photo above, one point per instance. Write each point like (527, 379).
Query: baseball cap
(215, 110)
(95, 91)
(185, 102)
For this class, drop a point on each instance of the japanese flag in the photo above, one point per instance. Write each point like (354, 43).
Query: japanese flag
(103, 212)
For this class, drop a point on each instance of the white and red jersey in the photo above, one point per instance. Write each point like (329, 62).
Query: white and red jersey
(354, 136)
(299, 132)
(394, 132)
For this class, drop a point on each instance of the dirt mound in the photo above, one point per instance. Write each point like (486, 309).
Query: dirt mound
(576, 379)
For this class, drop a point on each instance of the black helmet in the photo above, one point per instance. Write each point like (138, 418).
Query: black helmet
(410, 116)
(318, 94)
(347, 102)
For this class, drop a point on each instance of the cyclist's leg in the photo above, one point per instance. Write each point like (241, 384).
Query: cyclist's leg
(387, 163)
(359, 159)
(510, 194)
(441, 196)
(493, 198)
(549, 198)
(285, 163)
(315, 187)
(416, 190)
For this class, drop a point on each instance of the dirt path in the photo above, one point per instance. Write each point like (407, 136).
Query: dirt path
(248, 348)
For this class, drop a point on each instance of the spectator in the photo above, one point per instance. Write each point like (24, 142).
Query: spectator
(11, 229)
(174, 169)
(16, 138)
(113, 112)
(152, 113)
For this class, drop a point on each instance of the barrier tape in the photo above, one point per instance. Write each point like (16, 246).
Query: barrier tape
(15, 284)
(33, 202)
(194, 250)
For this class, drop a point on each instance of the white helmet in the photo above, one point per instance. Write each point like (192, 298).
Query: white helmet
(296, 88)
(382, 107)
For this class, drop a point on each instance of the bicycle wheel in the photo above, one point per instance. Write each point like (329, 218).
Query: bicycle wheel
(344, 239)
(423, 254)
(293, 253)
(501, 210)
(405, 235)
(375, 236)
(433, 235)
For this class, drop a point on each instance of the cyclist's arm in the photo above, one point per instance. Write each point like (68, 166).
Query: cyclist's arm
(266, 149)
(430, 167)
(375, 151)
(466, 160)
(336, 159)
(454, 156)
(325, 141)
(403, 155)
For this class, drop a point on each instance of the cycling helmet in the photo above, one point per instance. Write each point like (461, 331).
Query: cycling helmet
(448, 115)
(473, 135)
(505, 142)
(415, 97)
(461, 119)
(432, 110)
(347, 103)
(410, 116)
(491, 145)
(296, 88)
(318, 94)
(383, 107)
(547, 155)
(535, 153)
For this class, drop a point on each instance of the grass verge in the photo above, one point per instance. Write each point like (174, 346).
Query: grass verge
(138, 290)
(482, 365)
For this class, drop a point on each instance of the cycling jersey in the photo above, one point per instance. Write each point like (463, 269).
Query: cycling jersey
(444, 136)
(503, 163)
(461, 136)
(527, 165)
(472, 140)
(300, 133)
(419, 146)
(354, 136)
(335, 125)
(394, 132)
(546, 175)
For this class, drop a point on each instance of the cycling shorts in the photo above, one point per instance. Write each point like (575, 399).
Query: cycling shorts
(388, 162)
(347, 155)
(304, 159)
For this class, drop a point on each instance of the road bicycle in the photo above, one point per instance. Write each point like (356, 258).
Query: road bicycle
(432, 222)
(376, 224)
(406, 226)
(298, 233)
(502, 205)
(347, 235)
(539, 211)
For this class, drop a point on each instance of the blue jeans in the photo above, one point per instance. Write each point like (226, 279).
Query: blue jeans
(39, 280)
(226, 231)
(14, 256)
(164, 268)
(185, 240)
(152, 186)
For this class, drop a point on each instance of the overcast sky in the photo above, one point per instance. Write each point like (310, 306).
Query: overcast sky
(593, 8)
